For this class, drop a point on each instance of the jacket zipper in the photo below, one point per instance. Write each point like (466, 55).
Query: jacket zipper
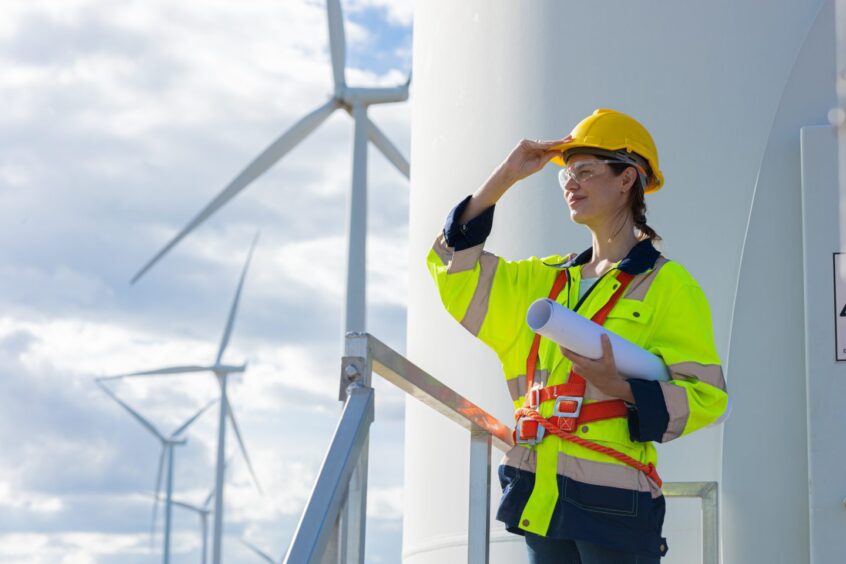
(595, 284)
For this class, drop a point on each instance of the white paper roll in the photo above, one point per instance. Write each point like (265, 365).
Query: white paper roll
(581, 335)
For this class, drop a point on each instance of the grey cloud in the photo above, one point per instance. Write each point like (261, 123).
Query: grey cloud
(17, 342)
(44, 39)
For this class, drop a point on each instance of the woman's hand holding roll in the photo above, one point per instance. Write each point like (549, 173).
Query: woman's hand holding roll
(601, 373)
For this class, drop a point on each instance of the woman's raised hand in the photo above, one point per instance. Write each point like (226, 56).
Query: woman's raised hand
(528, 157)
(525, 159)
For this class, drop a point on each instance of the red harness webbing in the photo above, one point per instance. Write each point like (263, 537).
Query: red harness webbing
(532, 360)
(575, 387)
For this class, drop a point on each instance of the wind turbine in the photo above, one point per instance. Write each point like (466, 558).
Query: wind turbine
(166, 457)
(355, 102)
(222, 372)
(203, 511)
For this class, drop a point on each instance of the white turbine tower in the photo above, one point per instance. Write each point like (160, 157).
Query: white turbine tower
(222, 372)
(354, 101)
(166, 457)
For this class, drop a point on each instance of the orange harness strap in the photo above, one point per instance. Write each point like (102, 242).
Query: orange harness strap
(572, 392)
(648, 469)
(532, 360)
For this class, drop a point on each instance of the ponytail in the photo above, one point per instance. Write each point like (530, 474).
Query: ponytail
(637, 203)
(638, 208)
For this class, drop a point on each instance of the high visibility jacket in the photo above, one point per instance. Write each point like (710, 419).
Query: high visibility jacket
(557, 488)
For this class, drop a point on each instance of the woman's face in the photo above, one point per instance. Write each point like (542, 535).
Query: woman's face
(601, 197)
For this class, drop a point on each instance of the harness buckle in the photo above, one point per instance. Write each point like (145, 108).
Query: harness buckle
(533, 398)
(572, 406)
(536, 434)
(567, 409)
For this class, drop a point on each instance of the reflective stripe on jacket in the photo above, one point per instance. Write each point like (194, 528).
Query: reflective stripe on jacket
(664, 311)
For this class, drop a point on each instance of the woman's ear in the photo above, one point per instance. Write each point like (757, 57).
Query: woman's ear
(628, 178)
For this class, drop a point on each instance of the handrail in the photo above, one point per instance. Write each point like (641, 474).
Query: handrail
(317, 526)
(708, 492)
(416, 382)
(332, 528)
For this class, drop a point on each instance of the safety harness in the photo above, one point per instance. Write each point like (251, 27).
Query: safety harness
(570, 411)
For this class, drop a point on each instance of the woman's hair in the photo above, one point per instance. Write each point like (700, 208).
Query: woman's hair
(637, 203)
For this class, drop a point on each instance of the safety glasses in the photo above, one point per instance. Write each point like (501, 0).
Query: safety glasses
(582, 171)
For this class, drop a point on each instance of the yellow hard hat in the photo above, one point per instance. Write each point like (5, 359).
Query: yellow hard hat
(609, 130)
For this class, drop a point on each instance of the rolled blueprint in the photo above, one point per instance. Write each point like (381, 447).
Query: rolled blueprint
(581, 335)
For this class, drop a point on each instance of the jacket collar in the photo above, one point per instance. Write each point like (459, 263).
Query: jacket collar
(641, 258)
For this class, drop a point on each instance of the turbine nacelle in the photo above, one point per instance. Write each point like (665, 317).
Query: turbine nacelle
(349, 97)
(221, 369)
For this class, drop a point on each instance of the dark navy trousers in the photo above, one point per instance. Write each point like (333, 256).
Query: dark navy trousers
(543, 550)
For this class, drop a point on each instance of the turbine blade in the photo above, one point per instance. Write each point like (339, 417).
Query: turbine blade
(183, 504)
(259, 551)
(186, 505)
(241, 444)
(209, 498)
(260, 164)
(157, 496)
(230, 322)
(192, 419)
(138, 417)
(337, 42)
(378, 138)
(161, 371)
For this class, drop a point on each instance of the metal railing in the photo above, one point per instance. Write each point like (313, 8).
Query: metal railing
(332, 527)
(708, 492)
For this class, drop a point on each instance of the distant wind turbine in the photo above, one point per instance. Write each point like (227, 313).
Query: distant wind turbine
(166, 457)
(203, 511)
(221, 371)
(355, 102)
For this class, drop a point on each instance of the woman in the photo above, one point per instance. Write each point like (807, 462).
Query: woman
(580, 483)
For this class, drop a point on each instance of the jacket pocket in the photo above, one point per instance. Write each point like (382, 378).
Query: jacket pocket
(509, 478)
(630, 319)
(601, 499)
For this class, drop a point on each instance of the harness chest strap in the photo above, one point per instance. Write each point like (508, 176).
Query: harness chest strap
(570, 396)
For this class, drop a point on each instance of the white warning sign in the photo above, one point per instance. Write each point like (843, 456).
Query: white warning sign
(840, 305)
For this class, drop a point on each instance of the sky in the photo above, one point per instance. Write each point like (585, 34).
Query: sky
(121, 120)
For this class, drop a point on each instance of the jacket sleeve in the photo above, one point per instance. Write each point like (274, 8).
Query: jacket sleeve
(696, 394)
(486, 294)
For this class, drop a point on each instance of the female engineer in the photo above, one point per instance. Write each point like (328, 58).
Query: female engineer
(581, 482)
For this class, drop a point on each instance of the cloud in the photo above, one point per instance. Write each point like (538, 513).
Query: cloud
(385, 503)
(121, 120)
(14, 500)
